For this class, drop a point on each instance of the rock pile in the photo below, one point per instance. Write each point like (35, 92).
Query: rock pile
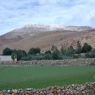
(66, 90)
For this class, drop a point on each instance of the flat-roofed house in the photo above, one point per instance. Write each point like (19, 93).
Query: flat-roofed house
(5, 58)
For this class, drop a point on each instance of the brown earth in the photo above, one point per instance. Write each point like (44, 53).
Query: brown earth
(26, 39)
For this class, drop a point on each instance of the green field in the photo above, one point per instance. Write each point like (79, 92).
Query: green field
(39, 76)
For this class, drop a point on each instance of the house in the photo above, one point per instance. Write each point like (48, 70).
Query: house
(5, 58)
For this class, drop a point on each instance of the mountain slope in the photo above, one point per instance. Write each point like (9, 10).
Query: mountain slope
(45, 36)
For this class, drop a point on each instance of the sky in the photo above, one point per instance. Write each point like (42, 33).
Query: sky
(17, 13)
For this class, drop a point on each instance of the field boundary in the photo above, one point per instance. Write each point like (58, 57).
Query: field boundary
(54, 62)
(65, 90)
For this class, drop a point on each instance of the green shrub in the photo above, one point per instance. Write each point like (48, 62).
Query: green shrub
(86, 48)
(48, 56)
(26, 58)
(37, 57)
(90, 54)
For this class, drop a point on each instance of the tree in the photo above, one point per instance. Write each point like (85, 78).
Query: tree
(67, 51)
(79, 47)
(55, 52)
(62, 50)
(86, 48)
(34, 51)
(71, 50)
(7, 51)
(20, 54)
(13, 56)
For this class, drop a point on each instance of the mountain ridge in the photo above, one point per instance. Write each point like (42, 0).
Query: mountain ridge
(44, 36)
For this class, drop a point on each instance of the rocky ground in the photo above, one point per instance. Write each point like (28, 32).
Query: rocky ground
(66, 90)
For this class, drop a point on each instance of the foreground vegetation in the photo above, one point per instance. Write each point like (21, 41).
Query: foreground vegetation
(39, 76)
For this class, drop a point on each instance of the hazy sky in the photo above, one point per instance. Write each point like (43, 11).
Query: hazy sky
(17, 13)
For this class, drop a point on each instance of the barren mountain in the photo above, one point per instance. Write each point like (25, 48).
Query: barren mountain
(44, 36)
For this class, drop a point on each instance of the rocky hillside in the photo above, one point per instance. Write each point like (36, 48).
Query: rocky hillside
(44, 36)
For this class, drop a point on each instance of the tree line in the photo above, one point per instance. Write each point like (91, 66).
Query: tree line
(52, 54)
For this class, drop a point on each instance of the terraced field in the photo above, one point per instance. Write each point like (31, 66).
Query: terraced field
(39, 76)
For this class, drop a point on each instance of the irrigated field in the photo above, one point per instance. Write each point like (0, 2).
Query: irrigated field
(39, 76)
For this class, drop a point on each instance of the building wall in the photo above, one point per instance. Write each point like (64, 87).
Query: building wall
(5, 58)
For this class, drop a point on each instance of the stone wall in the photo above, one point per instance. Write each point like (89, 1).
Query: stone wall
(66, 90)
(54, 62)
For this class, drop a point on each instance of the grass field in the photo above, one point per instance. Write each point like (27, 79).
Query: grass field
(39, 76)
